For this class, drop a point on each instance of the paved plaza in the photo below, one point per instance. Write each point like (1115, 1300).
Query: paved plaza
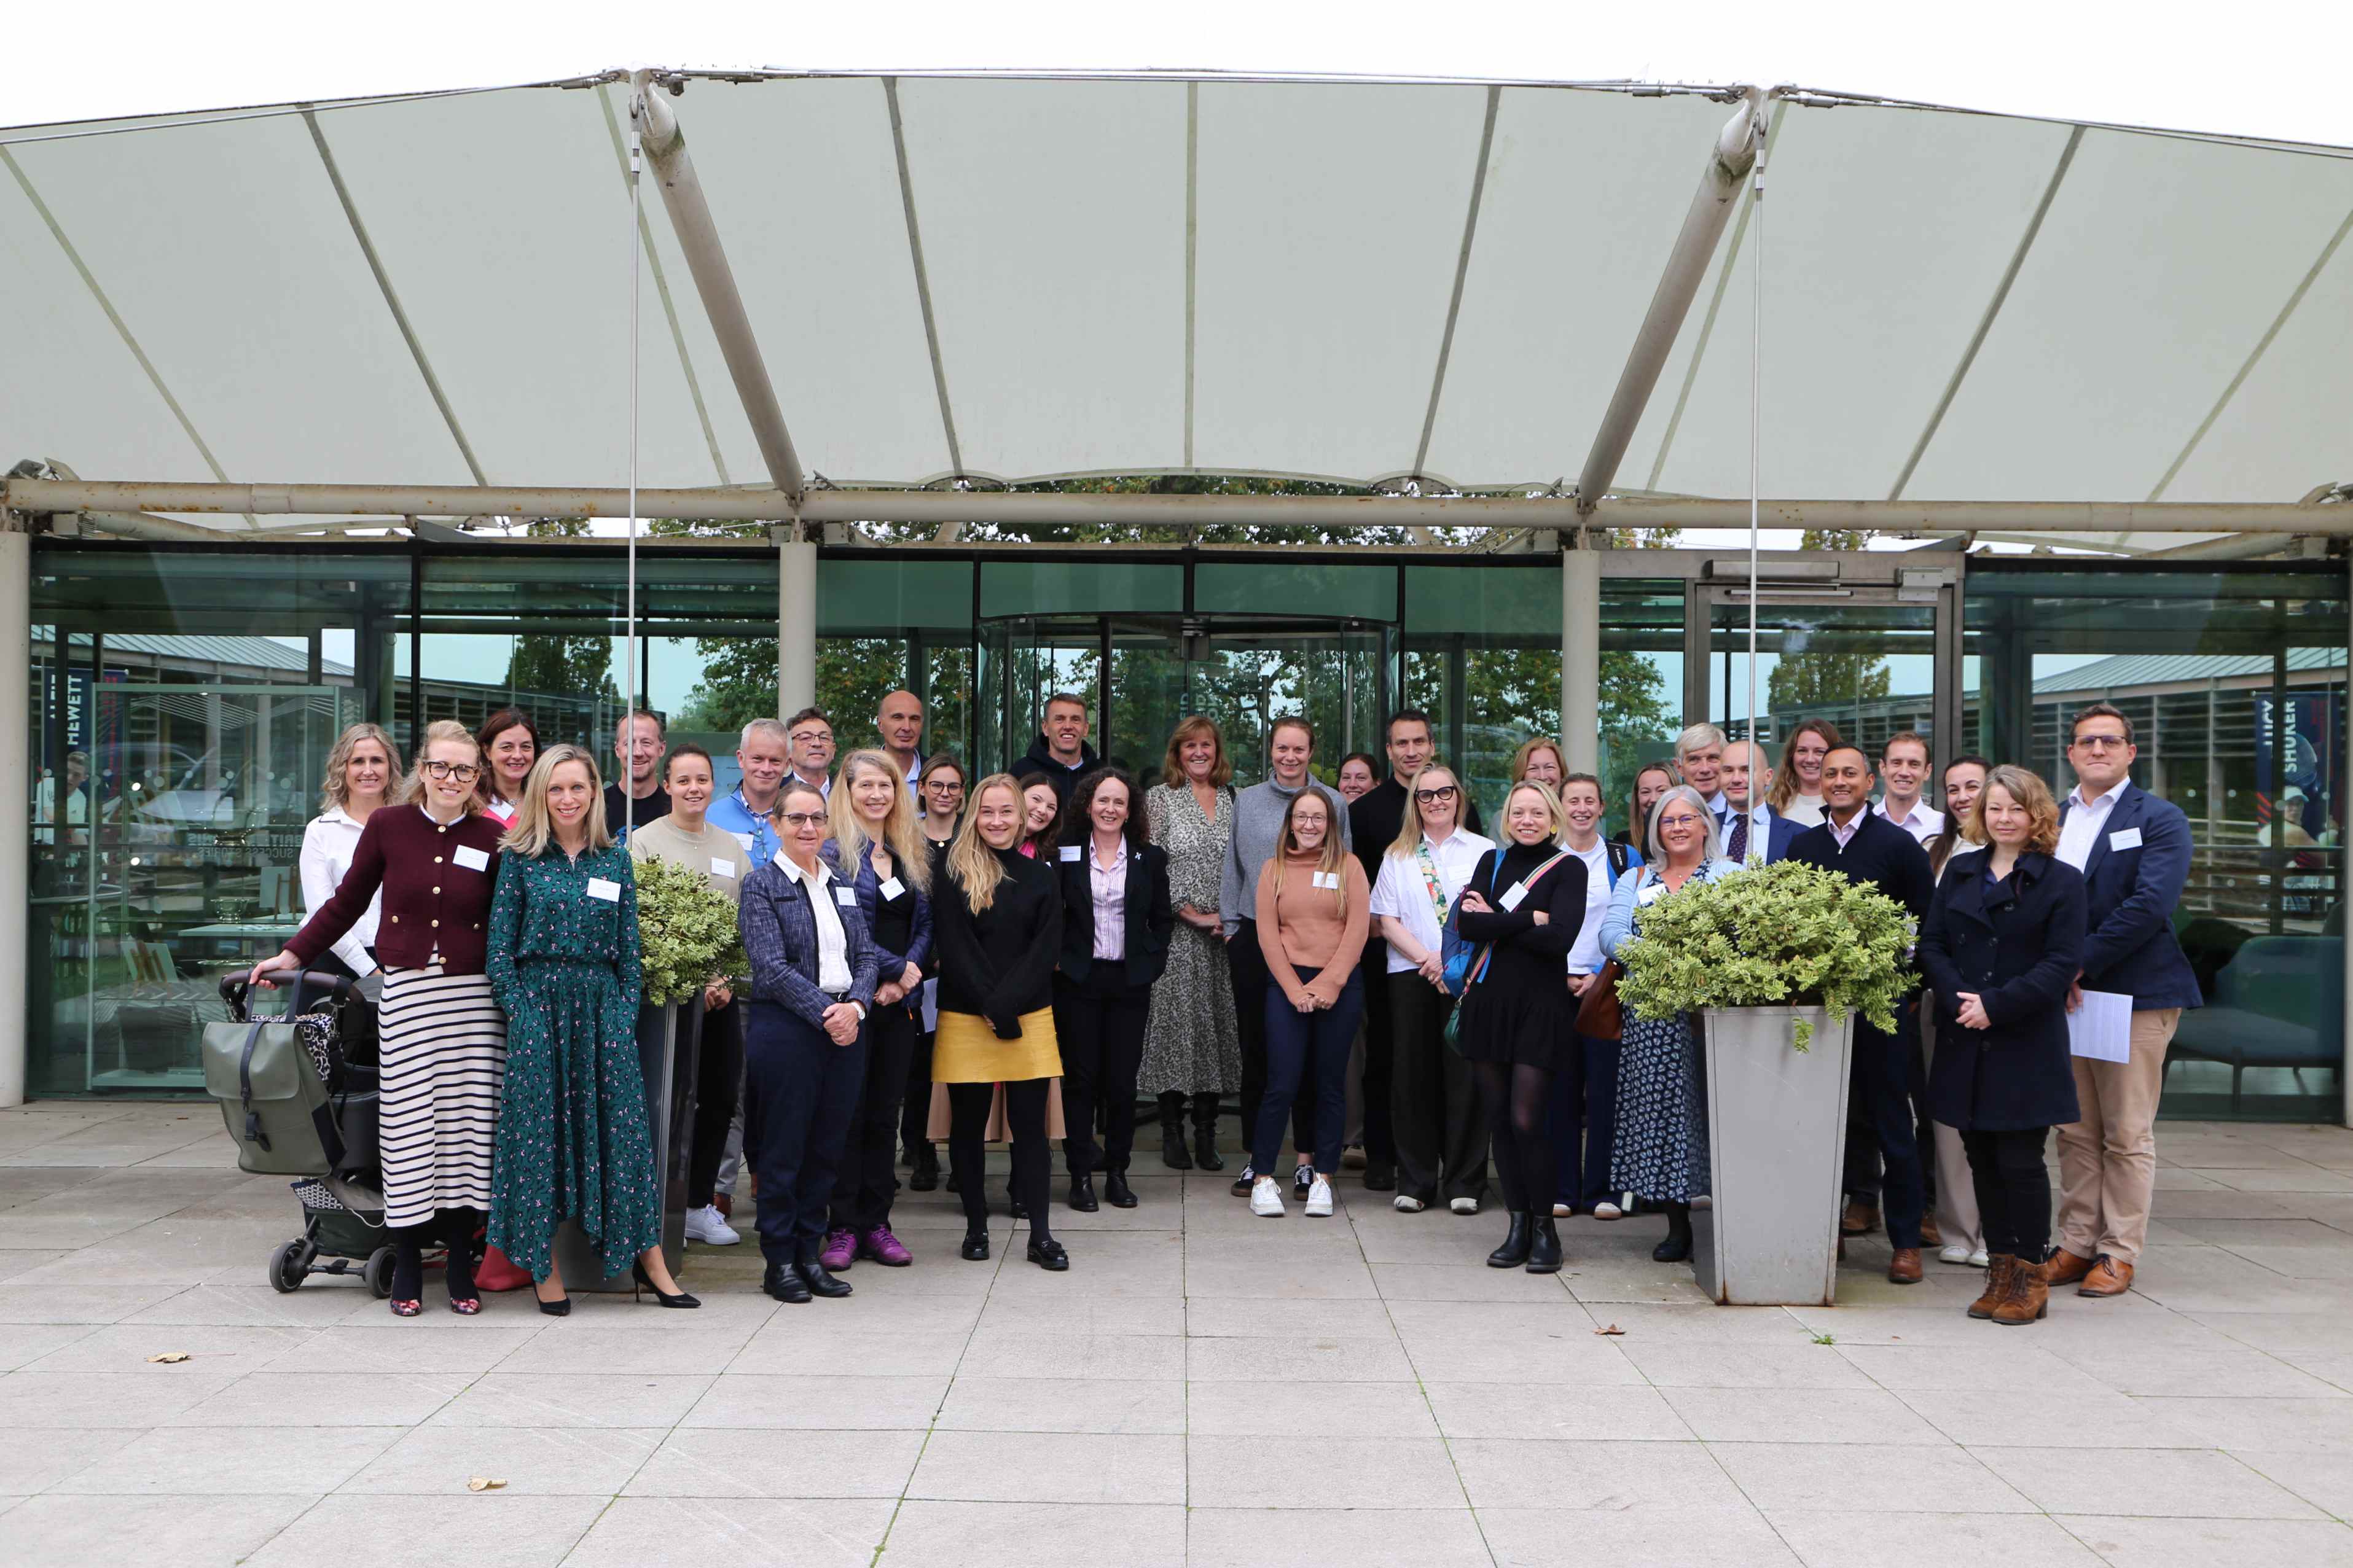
(1201, 1387)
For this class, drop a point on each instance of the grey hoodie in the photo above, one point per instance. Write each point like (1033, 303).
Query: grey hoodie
(1258, 824)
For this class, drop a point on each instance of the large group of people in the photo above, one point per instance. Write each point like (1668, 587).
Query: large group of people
(1364, 970)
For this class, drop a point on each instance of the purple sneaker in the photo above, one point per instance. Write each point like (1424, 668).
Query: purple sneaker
(883, 1247)
(840, 1246)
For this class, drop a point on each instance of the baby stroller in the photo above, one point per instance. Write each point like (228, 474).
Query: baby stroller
(299, 1093)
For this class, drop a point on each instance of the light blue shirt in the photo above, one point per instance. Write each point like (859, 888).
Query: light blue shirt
(1618, 925)
(732, 816)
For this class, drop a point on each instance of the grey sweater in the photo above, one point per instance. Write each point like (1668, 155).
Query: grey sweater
(1258, 824)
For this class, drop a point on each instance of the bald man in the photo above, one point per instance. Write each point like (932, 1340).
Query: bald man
(900, 722)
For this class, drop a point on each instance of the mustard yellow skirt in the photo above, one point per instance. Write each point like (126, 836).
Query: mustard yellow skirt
(967, 1050)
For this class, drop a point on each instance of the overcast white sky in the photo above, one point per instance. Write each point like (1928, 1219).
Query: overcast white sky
(2257, 67)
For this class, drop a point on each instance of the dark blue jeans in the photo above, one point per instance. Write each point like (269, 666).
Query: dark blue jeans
(1585, 1100)
(1879, 1096)
(800, 1089)
(1295, 1042)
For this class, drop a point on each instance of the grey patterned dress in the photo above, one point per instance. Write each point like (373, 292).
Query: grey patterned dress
(1190, 1044)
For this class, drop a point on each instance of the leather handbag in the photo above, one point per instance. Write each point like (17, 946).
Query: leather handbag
(273, 1098)
(1599, 1016)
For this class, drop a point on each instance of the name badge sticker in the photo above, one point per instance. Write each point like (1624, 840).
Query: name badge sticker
(471, 859)
(2124, 839)
(723, 868)
(1327, 880)
(1652, 894)
(893, 888)
(602, 888)
(1069, 852)
(846, 897)
(1512, 897)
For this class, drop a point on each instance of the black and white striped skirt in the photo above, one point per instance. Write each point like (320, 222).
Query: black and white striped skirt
(442, 1061)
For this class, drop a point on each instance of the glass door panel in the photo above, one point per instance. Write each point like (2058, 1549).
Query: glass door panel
(1855, 656)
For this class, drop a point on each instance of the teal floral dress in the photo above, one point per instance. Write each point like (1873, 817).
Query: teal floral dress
(573, 1139)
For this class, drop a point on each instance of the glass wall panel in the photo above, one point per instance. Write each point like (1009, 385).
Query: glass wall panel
(1642, 683)
(1483, 658)
(2235, 679)
(887, 623)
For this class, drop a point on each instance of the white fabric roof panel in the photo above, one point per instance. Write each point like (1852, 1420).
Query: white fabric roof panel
(1052, 218)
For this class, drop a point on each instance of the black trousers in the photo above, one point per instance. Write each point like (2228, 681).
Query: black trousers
(1442, 1128)
(1879, 1083)
(1099, 1025)
(915, 1119)
(2013, 1188)
(1246, 961)
(1025, 1118)
(1380, 1059)
(863, 1186)
(800, 1090)
(1584, 1122)
(1863, 1172)
(719, 1071)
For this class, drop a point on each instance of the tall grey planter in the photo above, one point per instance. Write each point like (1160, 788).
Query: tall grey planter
(1776, 1135)
(668, 1042)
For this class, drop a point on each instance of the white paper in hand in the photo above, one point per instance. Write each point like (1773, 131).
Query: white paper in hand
(2101, 1029)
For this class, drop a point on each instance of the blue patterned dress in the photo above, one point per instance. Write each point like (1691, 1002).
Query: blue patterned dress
(1661, 1152)
(573, 1141)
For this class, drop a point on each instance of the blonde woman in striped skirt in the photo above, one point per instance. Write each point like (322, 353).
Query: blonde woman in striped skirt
(442, 1060)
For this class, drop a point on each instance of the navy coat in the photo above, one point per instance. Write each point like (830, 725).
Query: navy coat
(2019, 955)
(2132, 893)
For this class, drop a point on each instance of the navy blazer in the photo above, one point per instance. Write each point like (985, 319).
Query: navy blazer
(870, 894)
(1150, 919)
(1780, 832)
(2019, 953)
(779, 929)
(2131, 894)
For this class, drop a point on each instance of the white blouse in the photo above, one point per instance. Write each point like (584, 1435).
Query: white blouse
(326, 859)
(1402, 892)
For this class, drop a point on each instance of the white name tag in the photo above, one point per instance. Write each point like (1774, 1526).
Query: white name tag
(599, 888)
(471, 859)
(1652, 894)
(723, 868)
(846, 897)
(892, 888)
(1512, 895)
(1327, 880)
(2124, 839)
(1070, 851)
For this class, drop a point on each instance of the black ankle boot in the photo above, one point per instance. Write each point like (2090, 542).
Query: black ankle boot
(1544, 1253)
(1205, 1133)
(1677, 1247)
(1173, 1152)
(1515, 1250)
(924, 1175)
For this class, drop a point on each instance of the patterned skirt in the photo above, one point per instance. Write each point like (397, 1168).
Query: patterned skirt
(1662, 1148)
(1191, 1044)
(441, 1063)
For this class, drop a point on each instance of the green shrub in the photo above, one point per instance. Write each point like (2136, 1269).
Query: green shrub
(686, 932)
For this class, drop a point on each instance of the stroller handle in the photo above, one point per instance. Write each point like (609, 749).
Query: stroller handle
(309, 987)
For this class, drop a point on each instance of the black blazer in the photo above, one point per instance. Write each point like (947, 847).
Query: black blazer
(2019, 954)
(1150, 919)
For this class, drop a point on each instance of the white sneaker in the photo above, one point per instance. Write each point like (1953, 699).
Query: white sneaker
(709, 1226)
(1607, 1211)
(1563, 1211)
(1955, 1254)
(1464, 1205)
(1266, 1198)
(1319, 1199)
(1978, 1260)
(1409, 1205)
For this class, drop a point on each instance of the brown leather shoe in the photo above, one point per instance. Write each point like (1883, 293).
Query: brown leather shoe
(1860, 1219)
(1904, 1267)
(1997, 1269)
(2027, 1299)
(1931, 1233)
(2108, 1277)
(2064, 1268)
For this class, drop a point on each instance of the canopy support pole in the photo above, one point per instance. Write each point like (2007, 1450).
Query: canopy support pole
(698, 237)
(795, 626)
(1728, 163)
(17, 785)
(1580, 656)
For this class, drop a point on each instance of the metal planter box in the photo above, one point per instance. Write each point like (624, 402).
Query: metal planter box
(1777, 1132)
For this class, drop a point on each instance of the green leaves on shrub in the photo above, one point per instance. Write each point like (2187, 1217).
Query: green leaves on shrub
(687, 933)
(1783, 934)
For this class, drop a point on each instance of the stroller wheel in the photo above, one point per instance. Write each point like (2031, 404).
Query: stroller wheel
(289, 1268)
(379, 1272)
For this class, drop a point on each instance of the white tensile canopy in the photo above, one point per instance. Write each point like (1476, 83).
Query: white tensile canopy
(1014, 277)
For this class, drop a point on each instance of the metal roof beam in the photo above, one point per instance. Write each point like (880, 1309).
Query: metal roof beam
(657, 128)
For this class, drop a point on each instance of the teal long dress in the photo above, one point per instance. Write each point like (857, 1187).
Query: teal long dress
(573, 1139)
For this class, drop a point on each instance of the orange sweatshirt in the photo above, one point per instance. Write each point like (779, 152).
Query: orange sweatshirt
(1302, 931)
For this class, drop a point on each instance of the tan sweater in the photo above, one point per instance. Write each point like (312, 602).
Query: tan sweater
(1303, 932)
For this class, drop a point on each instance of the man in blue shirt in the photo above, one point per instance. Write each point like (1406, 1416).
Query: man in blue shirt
(765, 756)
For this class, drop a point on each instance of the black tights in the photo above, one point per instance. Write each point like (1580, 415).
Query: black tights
(2013, 1188)
(1024, 1117)
(1516, 1098)
(452, 1228)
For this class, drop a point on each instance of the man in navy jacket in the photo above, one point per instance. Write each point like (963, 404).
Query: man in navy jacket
(1872, 850)
(1748, 780)
(2134, 851)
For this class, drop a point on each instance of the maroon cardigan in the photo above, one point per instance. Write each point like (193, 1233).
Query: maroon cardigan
(428, 898)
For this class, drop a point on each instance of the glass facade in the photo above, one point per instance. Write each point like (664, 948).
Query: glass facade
(184, 698)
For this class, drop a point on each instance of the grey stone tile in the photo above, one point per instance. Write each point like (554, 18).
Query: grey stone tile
(2310, 1425)
(323, 1399)
(1491, 1320)
(391, 1349)
(2284, 1334)
(1575, 1358)
(1111, 1263)
(1212, 1318)
(1333, 1537)
(1801, 1416)
(225, 1351)
(575, 1461)
(25, 1344)
(2321, 1476)
(775, 1463)
(1050, 1466)
(28, 1299)
(1643, 1323)
(1666, 1477)
(1535, 1410)
(2297, 1178)
(1669, 1365)
(2214, 1542)
(389, 1530)
(1547, 1538)
(689, 1348)
(741, 1532)
(1319, 1276)
(1463, 1282)
(34, 1461)
(573, 1399)
(2301, 1262)
(2204, 1372)
(59, 1532)
(1307, 1410)
(780, 1349)
(812, 1402)
(2187, 1483)
(193, 1461)
(1374, 1473)
(1066, 1405)
(137, 1399)
(1301, 1361)
(2021, 1417)
(1024, 1353)
(1858, 1538)
(934, 1535)
(1816, 1477)
(1995, 1360)
(1078, 1316)
(250, 1300)
(17, 1260)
